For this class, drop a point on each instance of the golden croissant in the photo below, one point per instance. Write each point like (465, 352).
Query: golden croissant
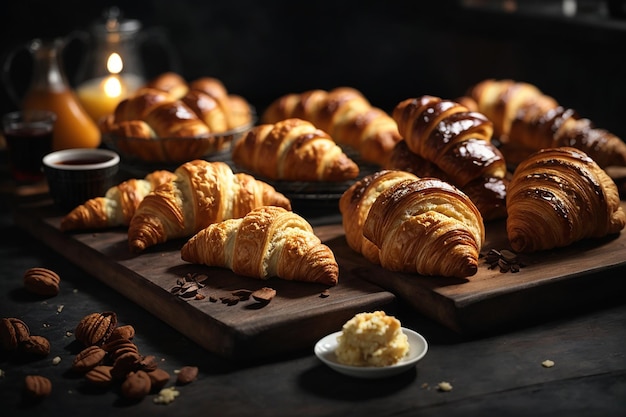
(202, 193)
(526, 120)
(346, 115)
(117, 206)
(355, 204)
(267, 242)
(426, 226)
(293, 150)
(457, 141)
(559, 196)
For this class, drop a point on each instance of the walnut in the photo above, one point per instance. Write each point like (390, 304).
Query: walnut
(37, 386)
(12, 332)
(95, 328)
(100, 375)
(118, 347)
(148, 363)
(88, 358)
(126, 363)
(36, 345)
(158, 378)
(42, 281)
(136, 385)
(123, 332)
(187, 374)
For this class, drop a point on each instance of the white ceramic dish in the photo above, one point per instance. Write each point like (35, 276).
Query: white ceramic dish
(325, 351)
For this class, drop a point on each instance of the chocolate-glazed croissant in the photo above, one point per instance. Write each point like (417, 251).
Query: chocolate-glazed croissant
(458, 142)
(559, 196)
(355, 204)
(526, 120)
(426, 226)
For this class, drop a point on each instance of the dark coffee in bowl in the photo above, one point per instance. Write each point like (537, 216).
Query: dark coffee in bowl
(85, 161)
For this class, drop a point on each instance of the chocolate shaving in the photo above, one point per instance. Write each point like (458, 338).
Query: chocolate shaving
(505, 260)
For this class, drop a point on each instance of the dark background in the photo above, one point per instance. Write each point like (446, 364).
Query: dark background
(389, 50)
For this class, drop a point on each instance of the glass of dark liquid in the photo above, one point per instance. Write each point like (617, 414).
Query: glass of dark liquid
(28, 136)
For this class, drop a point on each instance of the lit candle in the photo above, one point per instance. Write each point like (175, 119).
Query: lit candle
(100, 96)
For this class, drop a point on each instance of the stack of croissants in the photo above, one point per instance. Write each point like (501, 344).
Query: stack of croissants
(440, 178)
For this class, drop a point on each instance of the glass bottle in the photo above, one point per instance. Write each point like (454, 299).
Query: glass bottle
(49, 89)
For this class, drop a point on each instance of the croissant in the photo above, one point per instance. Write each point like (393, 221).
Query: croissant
(201, 194)
(138, 106)
(176, 120)
(267, 242)
(167, 103)
(458, 142)
(559, 196)
(355, 204)
(526, 120)
(170, 82)
(426, 226)
(209, 85)
(346, 115)
(294, 150)
(117, 206)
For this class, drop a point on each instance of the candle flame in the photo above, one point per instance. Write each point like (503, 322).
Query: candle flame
(114, 63)
(112, 86)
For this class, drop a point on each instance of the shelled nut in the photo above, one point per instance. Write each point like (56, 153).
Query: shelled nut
(42, 281)
(100, 376)
(136, 385)
(36, 345)
(13, 331)
(88, 358)
(95, 328)
(37, 386)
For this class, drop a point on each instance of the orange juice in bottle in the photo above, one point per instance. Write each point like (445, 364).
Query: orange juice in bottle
(49, 90)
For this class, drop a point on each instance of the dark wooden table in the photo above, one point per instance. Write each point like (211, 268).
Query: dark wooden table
(498, 373)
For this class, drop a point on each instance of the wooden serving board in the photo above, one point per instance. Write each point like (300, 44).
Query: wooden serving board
(295, 319)
(550, 282)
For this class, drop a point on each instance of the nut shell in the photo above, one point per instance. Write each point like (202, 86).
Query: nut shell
(42, 281)
(95, 328)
